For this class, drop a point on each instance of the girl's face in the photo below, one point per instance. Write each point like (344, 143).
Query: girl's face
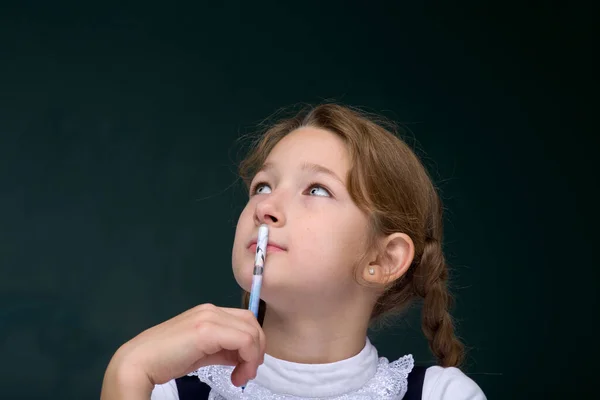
(316, 232)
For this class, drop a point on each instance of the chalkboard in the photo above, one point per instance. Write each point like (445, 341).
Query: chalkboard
(119, 128)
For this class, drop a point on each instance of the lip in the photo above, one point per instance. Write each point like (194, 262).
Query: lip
(272, 247)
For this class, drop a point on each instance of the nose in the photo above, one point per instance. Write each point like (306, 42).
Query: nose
(268, 211)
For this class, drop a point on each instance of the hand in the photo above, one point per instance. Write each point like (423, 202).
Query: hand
(203, 335)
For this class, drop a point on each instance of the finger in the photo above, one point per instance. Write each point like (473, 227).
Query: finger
(248, 315)
(238, 318)
(226, 357)
(195, 310)
(241, 319)
(211, 337)
(242, 373)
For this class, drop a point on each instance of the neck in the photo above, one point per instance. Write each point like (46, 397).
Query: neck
(312, 339)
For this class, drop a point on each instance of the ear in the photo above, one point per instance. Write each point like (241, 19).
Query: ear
(396, 256)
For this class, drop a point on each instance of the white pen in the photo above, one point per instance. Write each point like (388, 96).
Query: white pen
(259, 266)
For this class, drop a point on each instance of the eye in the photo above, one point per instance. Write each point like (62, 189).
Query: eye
(261, 188)
(318, 190)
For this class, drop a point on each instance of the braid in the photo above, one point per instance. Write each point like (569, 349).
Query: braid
(430, 283)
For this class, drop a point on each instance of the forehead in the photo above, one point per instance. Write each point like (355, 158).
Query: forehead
(314, 146)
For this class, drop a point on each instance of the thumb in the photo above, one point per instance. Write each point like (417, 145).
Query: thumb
(225, 357)
(243, 372)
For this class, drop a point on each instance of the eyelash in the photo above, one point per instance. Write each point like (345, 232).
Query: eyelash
(310, 186)
(316, 184)
(256, 185)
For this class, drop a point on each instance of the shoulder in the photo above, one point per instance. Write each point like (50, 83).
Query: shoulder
(450, 384)
(166, 391)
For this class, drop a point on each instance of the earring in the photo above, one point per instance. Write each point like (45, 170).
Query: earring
(372, 271)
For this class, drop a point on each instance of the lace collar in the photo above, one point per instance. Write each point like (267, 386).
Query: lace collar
(364, 376)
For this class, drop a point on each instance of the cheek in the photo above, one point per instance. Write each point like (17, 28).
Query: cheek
(241, 259)
(336, 242)
(242, 266)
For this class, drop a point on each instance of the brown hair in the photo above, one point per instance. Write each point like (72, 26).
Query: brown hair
(401, 198)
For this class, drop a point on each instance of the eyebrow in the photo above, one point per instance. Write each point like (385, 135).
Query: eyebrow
(307, 167)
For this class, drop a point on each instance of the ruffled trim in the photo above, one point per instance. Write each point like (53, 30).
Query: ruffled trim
(390, 382)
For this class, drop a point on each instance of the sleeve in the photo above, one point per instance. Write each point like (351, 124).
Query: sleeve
(450, 384)
(166, 391)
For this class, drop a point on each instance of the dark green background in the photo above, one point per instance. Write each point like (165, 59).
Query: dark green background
(118, 193)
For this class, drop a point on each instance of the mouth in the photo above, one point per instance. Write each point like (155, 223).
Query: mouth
(271, 247)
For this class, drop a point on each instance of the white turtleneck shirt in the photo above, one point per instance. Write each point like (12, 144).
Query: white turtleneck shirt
(364, 376)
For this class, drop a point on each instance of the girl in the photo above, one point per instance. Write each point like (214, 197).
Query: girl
(355, 234)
